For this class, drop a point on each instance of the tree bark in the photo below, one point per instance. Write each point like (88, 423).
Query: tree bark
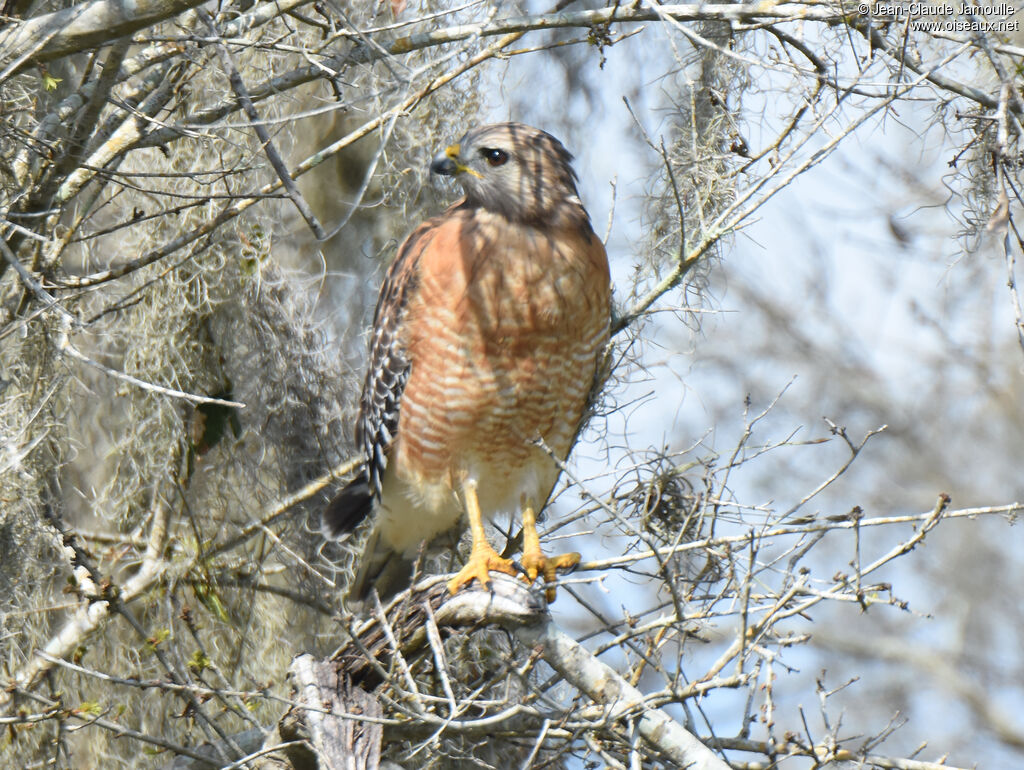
(514, 606)
(79, 28)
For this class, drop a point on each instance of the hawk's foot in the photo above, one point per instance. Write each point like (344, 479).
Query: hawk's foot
(536, 563)
(481, 561)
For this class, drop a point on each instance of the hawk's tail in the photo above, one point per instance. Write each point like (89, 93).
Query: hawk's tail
(379, 566)
(382, 568)
(348, 508)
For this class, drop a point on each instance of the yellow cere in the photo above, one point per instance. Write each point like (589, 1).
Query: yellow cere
(452, 151)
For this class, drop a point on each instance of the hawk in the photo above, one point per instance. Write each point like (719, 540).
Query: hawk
(486, 340)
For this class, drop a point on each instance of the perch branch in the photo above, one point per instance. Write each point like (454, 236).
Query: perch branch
(514, 606)
(79, 28)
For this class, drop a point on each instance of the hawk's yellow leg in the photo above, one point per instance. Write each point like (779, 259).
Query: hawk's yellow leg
(482, 558)
(534, 561)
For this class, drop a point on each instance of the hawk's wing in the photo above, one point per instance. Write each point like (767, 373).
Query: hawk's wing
(388, 367)
(386, 375)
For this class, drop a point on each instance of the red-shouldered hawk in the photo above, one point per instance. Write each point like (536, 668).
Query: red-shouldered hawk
(487, 335)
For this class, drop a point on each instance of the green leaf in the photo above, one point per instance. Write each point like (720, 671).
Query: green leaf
(209, 599)
(199, 662)
(161, 636)
(90, 707)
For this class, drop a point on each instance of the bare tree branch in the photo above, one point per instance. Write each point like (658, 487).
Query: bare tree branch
(79, 28)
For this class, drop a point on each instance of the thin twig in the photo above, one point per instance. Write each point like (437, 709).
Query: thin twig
(273, 156)
(65, 347)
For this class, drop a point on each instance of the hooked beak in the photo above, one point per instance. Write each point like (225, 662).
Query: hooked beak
(447, 163)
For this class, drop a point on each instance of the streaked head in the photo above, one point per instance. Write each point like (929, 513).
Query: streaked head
(514, 170)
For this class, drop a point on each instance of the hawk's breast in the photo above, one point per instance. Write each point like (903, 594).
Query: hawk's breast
(503, 334)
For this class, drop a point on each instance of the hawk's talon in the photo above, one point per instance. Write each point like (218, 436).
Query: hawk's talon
(536, 564)
(568, 569)
(481, 562)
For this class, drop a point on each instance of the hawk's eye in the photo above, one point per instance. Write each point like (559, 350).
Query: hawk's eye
(495, 157)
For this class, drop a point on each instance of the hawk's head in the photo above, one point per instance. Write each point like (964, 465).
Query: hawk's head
(514, 170)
